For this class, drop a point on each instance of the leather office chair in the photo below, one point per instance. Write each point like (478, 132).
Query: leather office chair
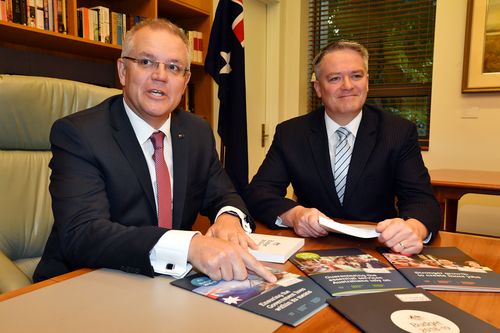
(28, 107)
(479, 214)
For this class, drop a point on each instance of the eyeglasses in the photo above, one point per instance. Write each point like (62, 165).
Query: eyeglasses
(152, 65)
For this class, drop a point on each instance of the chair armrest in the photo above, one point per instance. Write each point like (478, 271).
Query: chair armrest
(12, 277)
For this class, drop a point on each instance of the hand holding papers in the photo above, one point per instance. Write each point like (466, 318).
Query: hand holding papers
(356, 230)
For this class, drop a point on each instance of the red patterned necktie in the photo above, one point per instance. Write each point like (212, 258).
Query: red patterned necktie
(163, 190)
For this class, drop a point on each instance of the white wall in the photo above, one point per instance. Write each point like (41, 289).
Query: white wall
(456, 142)
(293, 49)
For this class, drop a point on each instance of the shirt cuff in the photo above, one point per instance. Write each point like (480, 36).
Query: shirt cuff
(279, 222)
(428, 238)
(169, 255)
(243, 217)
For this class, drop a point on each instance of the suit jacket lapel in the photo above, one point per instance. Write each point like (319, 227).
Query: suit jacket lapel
(126, 139)
(318, 142)
(363, 147)
(180, 153)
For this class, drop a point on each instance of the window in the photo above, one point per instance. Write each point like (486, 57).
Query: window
(399, 35)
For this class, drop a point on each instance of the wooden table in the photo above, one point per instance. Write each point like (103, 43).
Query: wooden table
(450, 185)
(482, 305)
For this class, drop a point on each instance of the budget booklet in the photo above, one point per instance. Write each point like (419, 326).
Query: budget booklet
(444, 268)
(275, 248)
(291, 300)
(348, 271)
(411, 310)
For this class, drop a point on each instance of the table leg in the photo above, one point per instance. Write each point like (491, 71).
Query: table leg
(450, 222)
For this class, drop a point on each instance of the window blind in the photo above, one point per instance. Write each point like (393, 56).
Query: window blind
(399, 36)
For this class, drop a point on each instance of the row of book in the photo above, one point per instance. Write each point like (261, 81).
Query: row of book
(101, 24)
(355, 283)
(42, 14)
(97, 23)
(195, 39)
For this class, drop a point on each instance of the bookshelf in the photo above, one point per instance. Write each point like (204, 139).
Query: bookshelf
(65, 48)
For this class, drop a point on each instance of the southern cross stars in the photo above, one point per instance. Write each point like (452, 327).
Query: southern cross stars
(227, 58)
(232, 300)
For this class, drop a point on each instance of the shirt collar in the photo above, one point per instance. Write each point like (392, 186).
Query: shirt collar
(141, 128)
(353, 126)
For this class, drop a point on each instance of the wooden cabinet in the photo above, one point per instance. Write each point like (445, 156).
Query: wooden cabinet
(31, 51)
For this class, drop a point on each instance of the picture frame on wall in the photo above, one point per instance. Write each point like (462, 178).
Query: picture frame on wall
(481, 68)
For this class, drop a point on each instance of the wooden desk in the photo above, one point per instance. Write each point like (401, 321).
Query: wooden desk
(482, 305)
(450, 185)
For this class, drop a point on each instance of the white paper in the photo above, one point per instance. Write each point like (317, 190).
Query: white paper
(357, 230)
(275, 248)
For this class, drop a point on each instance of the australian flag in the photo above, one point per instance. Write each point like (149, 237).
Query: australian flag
(225, 62)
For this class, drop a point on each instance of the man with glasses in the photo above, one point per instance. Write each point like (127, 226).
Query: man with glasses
(347, 160)
(130, 175)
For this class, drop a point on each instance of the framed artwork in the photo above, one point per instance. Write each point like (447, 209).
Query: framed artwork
(481, 71)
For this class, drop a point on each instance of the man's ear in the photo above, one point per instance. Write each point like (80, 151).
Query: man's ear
(121, 68)
(187, 78)
(316, 88)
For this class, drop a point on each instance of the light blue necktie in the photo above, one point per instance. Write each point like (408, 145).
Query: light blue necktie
(342, 159)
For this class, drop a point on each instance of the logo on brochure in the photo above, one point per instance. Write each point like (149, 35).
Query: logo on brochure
(203, 281)
(415, 321)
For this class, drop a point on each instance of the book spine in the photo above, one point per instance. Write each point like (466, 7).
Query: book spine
(31, 13)
(24, 12)
(94, 24)
(39, 22)
(124, 26)
(114, 28)
(63, 21)
(50, 11)
(79, 21)
(103, 13)
(199, 35)
(119, 28)
(8, 10)
(54, 15)
(60, 22)
(16, 11)
(46, 14)
(190, 36)
(107, 26)
(90, 25)
(85, 23)
(3, 10)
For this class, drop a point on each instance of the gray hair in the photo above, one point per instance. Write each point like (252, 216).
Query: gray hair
(340, 45)
(155, 24)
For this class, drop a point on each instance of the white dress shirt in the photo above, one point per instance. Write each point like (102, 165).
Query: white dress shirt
(331, 127)
(169, 255)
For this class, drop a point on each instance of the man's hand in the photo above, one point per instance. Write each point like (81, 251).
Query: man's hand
(305, 221)
(220, 259)
(405, 237)
(228, 227)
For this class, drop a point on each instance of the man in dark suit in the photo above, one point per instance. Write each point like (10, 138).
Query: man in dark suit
(106, 187)
(372, 171)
